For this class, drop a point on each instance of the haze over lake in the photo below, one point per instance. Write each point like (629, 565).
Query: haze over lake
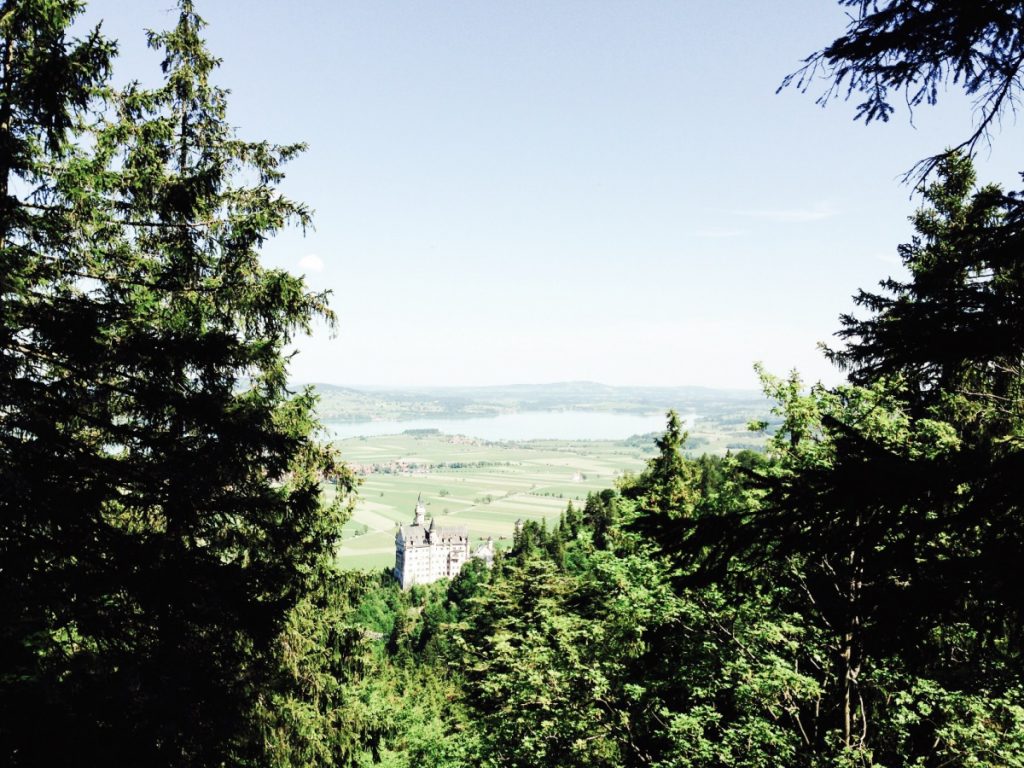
(525, 425)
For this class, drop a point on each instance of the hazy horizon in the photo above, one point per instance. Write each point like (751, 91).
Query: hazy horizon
(513, 384)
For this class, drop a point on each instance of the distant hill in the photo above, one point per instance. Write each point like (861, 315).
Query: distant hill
(367, 403)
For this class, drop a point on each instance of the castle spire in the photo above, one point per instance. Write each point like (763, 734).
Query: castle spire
(421, 511)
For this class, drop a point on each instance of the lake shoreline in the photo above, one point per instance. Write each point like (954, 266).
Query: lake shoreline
(518, 426)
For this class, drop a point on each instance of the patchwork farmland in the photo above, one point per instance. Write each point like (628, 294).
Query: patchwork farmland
(485, 486)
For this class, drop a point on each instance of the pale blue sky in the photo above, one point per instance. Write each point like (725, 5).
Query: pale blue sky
(532, 191)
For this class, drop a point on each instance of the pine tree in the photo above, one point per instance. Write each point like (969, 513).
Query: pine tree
(918, 47)
(892, 515)
(667, 481)
(666, 492)
(167, 510)
(48, 83)
(955, 323)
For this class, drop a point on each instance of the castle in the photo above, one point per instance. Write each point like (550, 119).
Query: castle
(426, 553)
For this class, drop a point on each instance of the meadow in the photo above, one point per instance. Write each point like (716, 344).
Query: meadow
(485, 486)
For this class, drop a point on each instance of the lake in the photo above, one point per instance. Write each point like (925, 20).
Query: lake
(525, 425)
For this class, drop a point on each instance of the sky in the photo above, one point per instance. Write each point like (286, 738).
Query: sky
(553, 190)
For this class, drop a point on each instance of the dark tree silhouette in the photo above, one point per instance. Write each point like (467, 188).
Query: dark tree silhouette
(161, 509)
(918, 47)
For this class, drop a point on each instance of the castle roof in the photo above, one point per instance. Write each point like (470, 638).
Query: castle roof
(449, 533)
(420, 535)
(413, 534)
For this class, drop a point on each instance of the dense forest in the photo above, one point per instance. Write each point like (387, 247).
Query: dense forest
(852, 596)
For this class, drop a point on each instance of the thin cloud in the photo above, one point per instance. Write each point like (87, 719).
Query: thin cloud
(311, 263)
(717, 233)
(792, 215)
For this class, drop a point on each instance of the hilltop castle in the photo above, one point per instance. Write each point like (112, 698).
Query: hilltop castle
(426, 553)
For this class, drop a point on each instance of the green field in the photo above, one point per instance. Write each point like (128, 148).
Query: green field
(485, 486)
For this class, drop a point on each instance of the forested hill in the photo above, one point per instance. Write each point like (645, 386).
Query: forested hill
(371, 403)
(675, 621)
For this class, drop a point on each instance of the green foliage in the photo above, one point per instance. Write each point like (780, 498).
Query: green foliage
(404, 702)
(731, 694)
(309, 715)
(600, 515)
(849, 598)
(889, 516)
(546, 656)
(528, 678)
(162, 525)
(412, 718)
(953, 326)
(665, 490)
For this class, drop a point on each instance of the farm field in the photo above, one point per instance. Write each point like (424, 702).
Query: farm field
(485, 486)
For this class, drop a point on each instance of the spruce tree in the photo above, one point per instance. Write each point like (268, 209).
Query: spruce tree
(49, 81)
(891, 516)
(665, 493)
(163, 516)
(921, 48)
